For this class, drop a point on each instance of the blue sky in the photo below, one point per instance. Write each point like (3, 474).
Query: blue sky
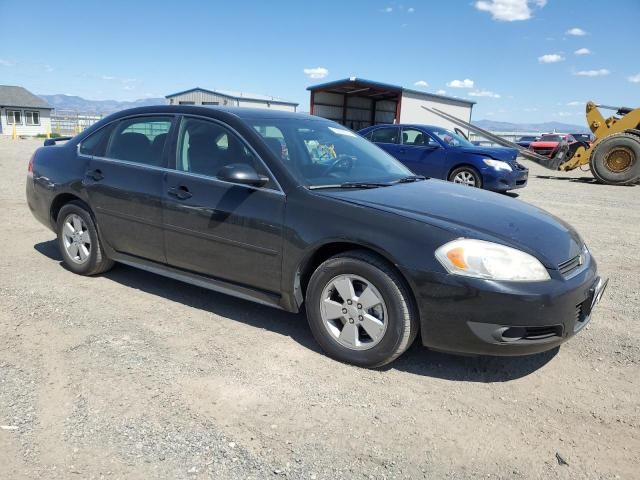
(535, 60)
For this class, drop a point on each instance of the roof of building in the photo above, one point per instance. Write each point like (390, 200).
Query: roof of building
(371, 88)
(13, 96)
(236, 95)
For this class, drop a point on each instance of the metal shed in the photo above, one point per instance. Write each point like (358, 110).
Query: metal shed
(357, 103)
(202, 96)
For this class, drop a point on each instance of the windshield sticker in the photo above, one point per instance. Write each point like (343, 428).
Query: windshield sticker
(341, 131)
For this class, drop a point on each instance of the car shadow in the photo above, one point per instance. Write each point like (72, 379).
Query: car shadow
(417, 360)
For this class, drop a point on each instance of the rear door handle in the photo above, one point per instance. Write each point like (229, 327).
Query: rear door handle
(95, 174)
(181, 192)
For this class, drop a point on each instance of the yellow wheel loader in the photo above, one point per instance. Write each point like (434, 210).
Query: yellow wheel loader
(614, 156)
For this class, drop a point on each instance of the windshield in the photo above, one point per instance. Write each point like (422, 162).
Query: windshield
(319, 152)
(451, 138)
(550, 138)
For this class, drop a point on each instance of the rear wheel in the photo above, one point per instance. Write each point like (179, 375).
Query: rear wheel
(468, 176)
(616, 159)
(82, 252)
(359, 310)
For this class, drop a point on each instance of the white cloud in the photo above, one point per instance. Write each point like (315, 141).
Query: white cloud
(484, 93)
(466, 83)
(576, 32)
(421, 83)
(317, 72)
(634, 78)
(441, 92)
(575, 103)
(411, 9)
(551, 58)
(582, 51)
(6, 63)
(107, 77)
(593, 73)
(567, 114)
(509, 10)
(388, 9)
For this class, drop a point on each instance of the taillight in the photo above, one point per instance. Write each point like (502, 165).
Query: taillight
(30, 167)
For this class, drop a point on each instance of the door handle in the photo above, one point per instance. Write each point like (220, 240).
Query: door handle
(181, 192)
(95, 174)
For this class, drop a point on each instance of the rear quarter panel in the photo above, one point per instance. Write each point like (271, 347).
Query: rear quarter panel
(56, 170)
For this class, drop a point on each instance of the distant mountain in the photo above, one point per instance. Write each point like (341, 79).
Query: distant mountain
(82, 105)
(495, 126)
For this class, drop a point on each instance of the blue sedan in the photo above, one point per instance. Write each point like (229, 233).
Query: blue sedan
(440, 153)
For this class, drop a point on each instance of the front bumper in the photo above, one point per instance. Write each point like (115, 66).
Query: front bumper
(473, 316)
(501, 181)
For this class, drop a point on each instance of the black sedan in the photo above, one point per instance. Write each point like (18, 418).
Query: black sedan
(295, 211)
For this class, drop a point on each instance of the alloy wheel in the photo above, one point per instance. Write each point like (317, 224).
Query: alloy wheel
(76, 239)
(353, 312)
(465, 178)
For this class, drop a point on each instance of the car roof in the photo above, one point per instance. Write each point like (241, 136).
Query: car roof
(405, 125)
(214, 111)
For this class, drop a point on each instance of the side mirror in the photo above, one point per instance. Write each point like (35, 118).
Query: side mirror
(242, 173)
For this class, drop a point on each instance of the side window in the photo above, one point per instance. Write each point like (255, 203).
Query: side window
(139, 140)
(385, 135)
(274, 138)
(96, 143)
(414, 137)
(206, 147)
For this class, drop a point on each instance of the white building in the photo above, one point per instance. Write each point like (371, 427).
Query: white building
(29, 113)
(357, 103)
(203, 97)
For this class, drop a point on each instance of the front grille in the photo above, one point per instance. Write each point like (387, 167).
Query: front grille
(543, 151)
(569, 266)
(520, 182)
(580, 316)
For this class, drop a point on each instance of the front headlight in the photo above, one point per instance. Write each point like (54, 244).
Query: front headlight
(497, 164)
(492, 261)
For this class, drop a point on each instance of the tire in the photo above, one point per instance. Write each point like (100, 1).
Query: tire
(616, 159)
(395, 312)
(78, 240)
(458, 174)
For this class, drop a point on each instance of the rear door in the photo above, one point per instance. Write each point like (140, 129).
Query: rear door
(220, 229)
(421, 153)
(387, 138)
(124, 182)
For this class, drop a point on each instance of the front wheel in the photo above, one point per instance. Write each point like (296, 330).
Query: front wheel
(616, 159)
(359, 310)
(468, 176)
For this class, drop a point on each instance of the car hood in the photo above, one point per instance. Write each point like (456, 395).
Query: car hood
(544, 144)
(498, 153)
(473, 213)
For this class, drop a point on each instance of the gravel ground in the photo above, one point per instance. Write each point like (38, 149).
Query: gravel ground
(131, 375)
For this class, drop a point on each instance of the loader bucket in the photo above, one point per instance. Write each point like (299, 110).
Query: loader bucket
(562, 154)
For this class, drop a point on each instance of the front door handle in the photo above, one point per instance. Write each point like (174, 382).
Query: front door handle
(181, 192)
(95, 174)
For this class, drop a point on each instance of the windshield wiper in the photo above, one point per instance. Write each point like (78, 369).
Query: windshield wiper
(352, 185)
(411, 178)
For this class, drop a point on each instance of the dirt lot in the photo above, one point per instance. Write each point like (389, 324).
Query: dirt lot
(130, 375)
